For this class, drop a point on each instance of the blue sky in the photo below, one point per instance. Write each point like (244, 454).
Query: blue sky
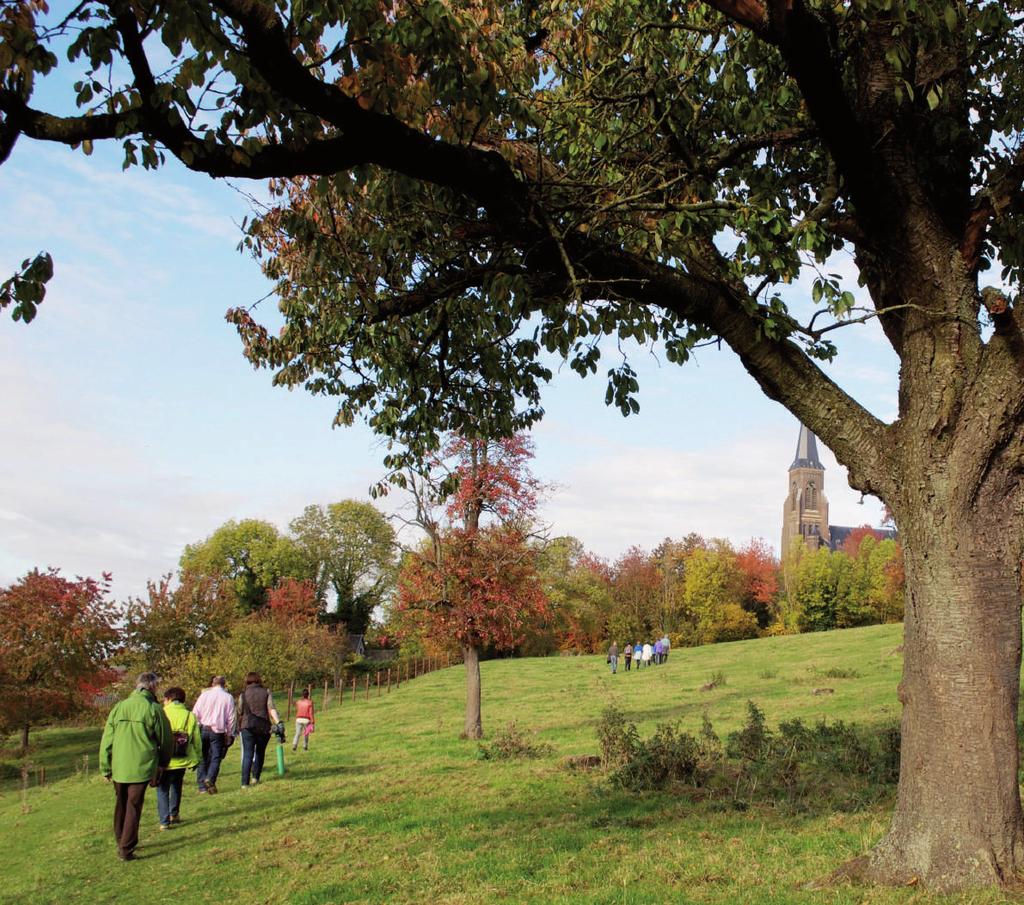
(133, 425)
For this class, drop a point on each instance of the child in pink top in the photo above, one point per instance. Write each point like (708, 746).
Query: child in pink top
(303, 721)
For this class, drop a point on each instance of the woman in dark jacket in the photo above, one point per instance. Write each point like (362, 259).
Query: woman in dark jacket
(256, 717)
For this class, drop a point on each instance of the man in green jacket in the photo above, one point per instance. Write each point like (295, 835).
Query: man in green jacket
(135, 749)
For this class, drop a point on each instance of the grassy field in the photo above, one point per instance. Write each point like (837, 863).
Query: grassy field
(389, 806)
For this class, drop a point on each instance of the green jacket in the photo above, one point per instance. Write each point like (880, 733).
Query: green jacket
(136, 739)
(181, 720)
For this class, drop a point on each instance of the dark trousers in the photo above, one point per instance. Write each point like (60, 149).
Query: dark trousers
(254, 747)
(168, 795)
(214, 746)
(628, 661)
(127, 814)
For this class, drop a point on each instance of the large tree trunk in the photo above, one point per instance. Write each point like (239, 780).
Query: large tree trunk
(474, 725)
(958, 821)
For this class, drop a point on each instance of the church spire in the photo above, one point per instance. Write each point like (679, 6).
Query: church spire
(806, 451)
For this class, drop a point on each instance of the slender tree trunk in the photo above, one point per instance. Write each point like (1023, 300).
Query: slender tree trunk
(958, 821)
(474, 725)
(24, 737)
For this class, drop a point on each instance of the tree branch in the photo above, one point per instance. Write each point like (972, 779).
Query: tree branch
(748, 13)
(989, 203)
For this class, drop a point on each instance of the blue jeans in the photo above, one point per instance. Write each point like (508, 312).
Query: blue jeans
(213, 753)
(254, 747)
(614, 661)
(168, 795)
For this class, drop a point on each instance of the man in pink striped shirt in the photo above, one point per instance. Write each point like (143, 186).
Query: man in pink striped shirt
(215, 711)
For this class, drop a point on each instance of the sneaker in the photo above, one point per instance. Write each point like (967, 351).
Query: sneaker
(165, 826)
(174, 818)
(126, 856)
(211, 787)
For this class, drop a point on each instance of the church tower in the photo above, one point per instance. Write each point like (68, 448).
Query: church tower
(806, 510)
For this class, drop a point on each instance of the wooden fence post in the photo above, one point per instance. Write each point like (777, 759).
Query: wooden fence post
(378, 683)
(354, 689)
(324, 704)
(367, 686)
(389, 680)
(291, 694)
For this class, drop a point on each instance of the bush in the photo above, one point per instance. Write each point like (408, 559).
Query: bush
(827, 765)
(669, 756)
(618, 737)
(511, 743)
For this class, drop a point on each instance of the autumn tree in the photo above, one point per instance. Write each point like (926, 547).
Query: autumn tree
(55, 635)
(173, 620)
(476, 185)
(714, 589)
(760, 568)
(578, 588)
(293, 602)
(636, 595)
(251, 555)
(475, 578)
(351, 549)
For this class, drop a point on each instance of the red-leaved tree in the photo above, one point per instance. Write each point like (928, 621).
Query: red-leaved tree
(476, 581)
(760, 568)
(55, 636)
(293, 601)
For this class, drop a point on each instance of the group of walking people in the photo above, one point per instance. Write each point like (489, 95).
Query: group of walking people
(642, 654)
(146, 744)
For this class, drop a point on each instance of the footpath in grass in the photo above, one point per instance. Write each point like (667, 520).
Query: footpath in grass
(389, 806)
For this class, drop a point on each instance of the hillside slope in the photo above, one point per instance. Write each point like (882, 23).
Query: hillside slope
(389, 806)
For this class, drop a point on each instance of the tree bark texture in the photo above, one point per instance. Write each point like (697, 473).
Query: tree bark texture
(958, 822)
(474, 724)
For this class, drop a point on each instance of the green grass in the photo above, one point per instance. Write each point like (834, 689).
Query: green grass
(389, 806)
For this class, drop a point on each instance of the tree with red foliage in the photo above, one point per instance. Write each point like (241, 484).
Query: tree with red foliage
(54, 633)
(293, 601)
(760, 570)
(851, 546)
(170, 622)
(476, 581)
(636, 590)
(482, 592)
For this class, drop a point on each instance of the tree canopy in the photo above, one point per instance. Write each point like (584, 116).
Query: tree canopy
(468, 189)
(250, 554)
(351, 549)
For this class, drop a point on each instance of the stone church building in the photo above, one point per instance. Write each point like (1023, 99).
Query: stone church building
(806, 510)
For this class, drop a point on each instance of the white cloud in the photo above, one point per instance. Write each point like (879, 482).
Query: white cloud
(616, 496)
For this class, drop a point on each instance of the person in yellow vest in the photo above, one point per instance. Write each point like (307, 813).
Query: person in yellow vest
(186, 755)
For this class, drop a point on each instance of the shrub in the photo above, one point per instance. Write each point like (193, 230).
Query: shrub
(669, 756)
(511, 743)
(837, 672)
(827, 765)
(753, 741)
(617, 736)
